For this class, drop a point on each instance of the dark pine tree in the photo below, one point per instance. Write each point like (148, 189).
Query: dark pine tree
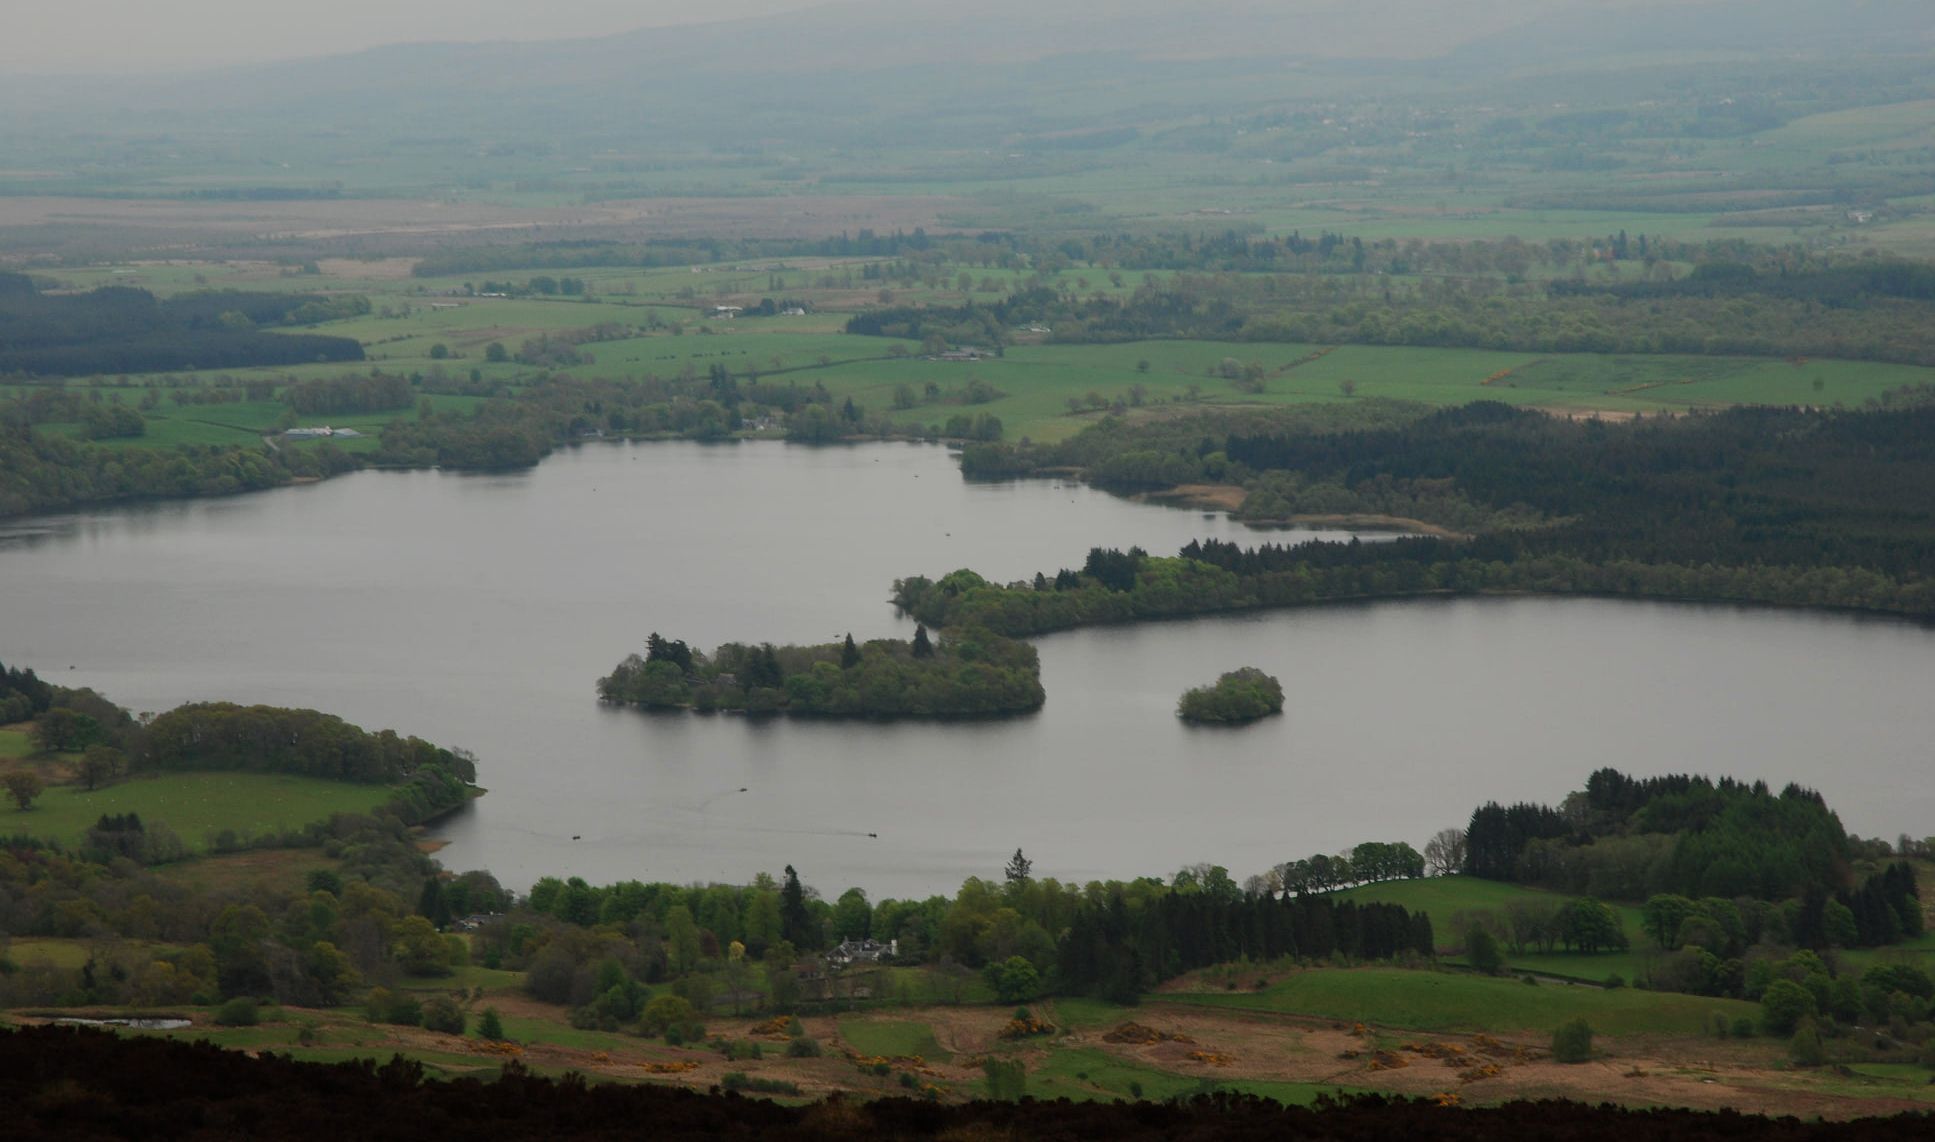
(795, 922)
(922, 647)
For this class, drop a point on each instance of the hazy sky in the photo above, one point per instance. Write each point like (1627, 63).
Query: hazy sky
(82, 36)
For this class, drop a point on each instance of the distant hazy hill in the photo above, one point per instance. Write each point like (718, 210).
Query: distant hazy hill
(943, 61)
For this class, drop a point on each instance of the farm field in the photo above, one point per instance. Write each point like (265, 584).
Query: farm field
(194, 805)
(656, 322)
(1038, 382)
(892, 1038)
(247, 422)
(1440, 1001)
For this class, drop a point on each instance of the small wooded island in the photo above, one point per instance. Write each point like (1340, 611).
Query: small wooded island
(1243, 695)
(967, 673)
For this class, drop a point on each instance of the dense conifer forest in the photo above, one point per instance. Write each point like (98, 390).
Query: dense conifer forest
(119, 329)
(1785, 506)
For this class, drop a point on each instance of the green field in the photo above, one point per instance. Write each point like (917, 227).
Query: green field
(1039, 380)
(893, 1038)
(195, 805)
(1078, 1012)
(1083, 1073)
(58, 953)
(1442, 898)
(15, 743)
(1446, 1001)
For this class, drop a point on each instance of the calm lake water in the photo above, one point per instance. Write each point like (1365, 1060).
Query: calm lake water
(479, 611)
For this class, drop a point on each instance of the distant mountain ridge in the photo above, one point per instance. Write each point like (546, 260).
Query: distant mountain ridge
(946, 60)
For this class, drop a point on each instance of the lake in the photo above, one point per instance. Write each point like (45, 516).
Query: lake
(480, 610)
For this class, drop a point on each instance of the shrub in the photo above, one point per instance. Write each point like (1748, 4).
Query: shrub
(1572, 1042)
(1007, 1078)
(803, 1048)
(238, 1012)
(1805, 1047)
(679, 1034)
(404, 1011)
(1481, 948)
(665, 1012)
(1743, 1028)
(1615, 981)
(440, 1014)
(740, 1080)
(1784, 1005)
(491, 1026)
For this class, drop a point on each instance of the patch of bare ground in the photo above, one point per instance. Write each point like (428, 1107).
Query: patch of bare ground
(1222, 497)
(1230, 497)
(280, 870)
(419, 225)
(371, 269)
(1478, 1068)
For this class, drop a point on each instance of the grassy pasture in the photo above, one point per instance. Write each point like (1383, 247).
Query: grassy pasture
(53, 952)
(1442, 898)
(739, 345)
(893, 1038)
(15, 743)
(1039, 379)
(1919, 951)
(1078, 1012)
(1444, 1001)
(244, 423)
(1085, 1073)
(195, 805)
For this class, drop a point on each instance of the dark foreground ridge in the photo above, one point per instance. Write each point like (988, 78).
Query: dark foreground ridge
(73, 1083)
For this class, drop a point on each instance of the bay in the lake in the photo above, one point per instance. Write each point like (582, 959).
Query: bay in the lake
(479, 611)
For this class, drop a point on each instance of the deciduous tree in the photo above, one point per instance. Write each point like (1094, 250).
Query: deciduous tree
(23, 786)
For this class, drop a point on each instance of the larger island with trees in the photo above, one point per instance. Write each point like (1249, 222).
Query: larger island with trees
(967, 673)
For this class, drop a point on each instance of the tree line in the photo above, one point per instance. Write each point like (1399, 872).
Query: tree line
(205, 736)
(1769, 505)
(118, 329)
(1727, 308)
(1784, 856)
(747, 945)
